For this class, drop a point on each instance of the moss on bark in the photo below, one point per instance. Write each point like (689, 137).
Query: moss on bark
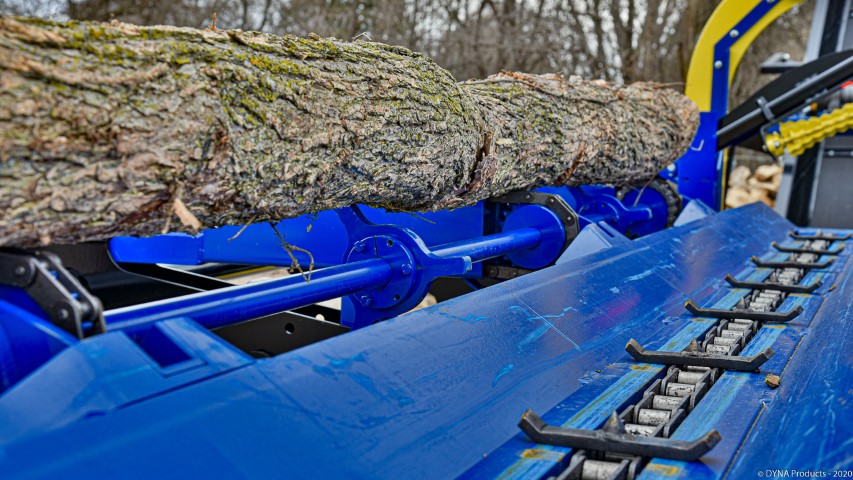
(105, 127)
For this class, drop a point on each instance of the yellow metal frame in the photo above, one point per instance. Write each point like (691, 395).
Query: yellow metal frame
(722, 23)
(700, 75)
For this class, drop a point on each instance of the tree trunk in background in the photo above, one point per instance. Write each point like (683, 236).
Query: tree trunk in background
(110, 129)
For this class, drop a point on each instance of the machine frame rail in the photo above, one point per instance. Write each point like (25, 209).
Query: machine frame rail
(613, 438)
(773, 286)
(698, 359)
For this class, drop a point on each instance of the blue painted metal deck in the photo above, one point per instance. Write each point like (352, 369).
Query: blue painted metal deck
(437, 393)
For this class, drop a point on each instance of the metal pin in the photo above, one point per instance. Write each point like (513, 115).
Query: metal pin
(679, 389)
(725, 341)
(598, 470)
(665, 402)
(718, 348)
(648, 416)
(638, 429)
(690, 377)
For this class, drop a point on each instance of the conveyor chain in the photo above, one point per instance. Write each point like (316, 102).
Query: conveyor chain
(53, 288)
(621, 449)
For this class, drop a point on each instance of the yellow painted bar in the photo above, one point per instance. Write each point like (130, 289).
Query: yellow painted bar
(721, 23)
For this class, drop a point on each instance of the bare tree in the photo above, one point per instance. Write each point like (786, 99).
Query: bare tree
(618, 40)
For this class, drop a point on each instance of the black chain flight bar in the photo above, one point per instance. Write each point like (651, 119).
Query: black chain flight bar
(614, 438)
(785, 249)
(773, 286)
(818, 236)
(770, 317)
(760, 263)
(698, 359)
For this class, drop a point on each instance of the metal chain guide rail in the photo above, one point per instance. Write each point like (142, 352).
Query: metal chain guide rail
(622, 448)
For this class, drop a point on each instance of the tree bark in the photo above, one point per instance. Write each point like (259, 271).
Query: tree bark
(109, 129)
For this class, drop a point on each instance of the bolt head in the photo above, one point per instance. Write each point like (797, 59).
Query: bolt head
(20, 271)
(734, 33)
(63, 313)
(406, 269)
(718, 64)
(365, 300)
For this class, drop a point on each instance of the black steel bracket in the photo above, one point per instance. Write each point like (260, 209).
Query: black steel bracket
(773, 286)
(760, 263)
(769, 317)
(785, 249)
(67, 303)
(819, 236)
(504, 272)
(698, 359)
(614, 439)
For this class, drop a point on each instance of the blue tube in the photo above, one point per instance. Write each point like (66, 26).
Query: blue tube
(492, 246)
(231, 305)
(236, 304)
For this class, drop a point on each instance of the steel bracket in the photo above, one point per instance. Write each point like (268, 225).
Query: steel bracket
(65, 301)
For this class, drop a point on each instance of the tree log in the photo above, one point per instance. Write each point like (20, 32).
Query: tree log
(109, 129)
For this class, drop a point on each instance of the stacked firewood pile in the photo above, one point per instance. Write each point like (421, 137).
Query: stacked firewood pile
(747, 186)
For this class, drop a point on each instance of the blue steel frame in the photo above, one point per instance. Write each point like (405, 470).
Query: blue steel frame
(437, 393)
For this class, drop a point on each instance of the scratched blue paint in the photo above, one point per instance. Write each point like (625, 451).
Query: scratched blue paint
(543, 321)
(432, 411)
(640, 276)
(467, 319)
(765, 337)
(503, 371)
